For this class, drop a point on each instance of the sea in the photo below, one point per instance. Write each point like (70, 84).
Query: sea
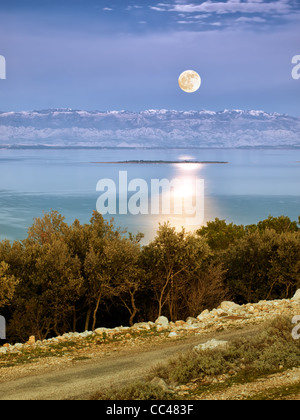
(242, 186)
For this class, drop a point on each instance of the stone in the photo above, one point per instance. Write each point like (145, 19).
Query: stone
(161, 328)
(31, 340)
(191, 320)
(142, 326)
(162, 321)
(3, 350)
(100, 331)
(160, 383)
(221, 312)
(229, 306)
(180, 323)
(60, 338)
(172, 334)
(296, 296)
(212, 344)
(204, 314)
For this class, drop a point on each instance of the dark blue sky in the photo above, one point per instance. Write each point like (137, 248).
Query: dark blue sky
(121, 54)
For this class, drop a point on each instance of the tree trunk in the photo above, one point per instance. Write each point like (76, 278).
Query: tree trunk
(87, 319)
(160, 300)
(95, 312)
(134, 309)
(74, 319)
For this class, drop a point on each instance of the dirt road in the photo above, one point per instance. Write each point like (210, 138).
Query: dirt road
(84, 378)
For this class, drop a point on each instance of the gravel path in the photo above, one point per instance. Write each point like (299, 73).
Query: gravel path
(65, 379)
(264, 386)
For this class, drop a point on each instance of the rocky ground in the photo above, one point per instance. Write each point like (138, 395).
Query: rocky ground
(65, 350)
(227, 315)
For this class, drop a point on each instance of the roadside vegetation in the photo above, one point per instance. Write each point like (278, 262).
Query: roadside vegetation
(78, 277)
(270, 351)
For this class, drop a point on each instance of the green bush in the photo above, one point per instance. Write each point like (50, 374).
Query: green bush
(268, 351)
(137, 391)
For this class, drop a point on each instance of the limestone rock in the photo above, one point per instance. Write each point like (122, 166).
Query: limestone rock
(296, 296)
(191, 320)
(142, 326)
(203, 315)
(212, 344)
(180, 324)
(100, 331)
(31, 340)
(229, 306)
(162, 321)
(160, 382)
(221, 312)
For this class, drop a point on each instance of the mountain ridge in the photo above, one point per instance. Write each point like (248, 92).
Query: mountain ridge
(65, 127)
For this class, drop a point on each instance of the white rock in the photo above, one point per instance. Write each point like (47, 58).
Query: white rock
(160, 382)
(172, 334)
(221, 312)
(3, 350)
(142, 326)
(100, 331)
(192, 326)
(212, 344)
(203, 315)
(229, 306)
(191, 321)
(162, 321)
(86, 334)
(296, 295)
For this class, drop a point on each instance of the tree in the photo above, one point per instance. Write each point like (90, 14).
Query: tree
(96, 263)
(169, 259)
(285, 267)
(129, 275)
(8, 285)
(220, 235)
(280, 224)
(247, 263)
(50, 279)
(263, 265)
(206, 290)
(44, 229)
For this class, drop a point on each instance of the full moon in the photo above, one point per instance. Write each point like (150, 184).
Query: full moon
(189, 81)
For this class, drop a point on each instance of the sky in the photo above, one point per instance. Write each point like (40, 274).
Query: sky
(128, 54)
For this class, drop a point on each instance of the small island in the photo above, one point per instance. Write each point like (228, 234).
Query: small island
(159, 162)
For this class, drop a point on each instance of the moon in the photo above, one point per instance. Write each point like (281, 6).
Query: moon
(189, 81)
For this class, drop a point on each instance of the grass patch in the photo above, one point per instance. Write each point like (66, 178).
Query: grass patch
(34, 353)
(80, 358)
(60, 349)
(136, 391)
(281, 393)
(270, 351)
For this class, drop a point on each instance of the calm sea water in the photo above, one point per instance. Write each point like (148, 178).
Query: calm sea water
(253, 185)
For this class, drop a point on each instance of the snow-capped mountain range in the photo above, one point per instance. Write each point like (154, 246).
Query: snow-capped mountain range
(150, 128)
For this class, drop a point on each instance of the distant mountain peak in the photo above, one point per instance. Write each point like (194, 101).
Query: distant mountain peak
(149, 128)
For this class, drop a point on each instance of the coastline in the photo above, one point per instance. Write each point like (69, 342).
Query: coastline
(160, 162)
